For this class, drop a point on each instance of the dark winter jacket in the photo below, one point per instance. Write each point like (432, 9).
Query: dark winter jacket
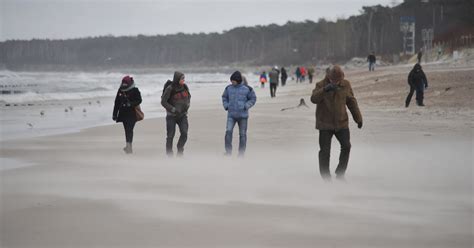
(284, 75)
(273, 75)
(371, 58)
(176, 99)
(238, 99)
(417, 76)
(331, 111)
(125, 103)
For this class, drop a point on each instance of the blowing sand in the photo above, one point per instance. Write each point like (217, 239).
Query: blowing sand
(409, 179)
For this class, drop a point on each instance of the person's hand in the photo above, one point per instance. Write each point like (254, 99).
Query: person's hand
(359, 125)
(330, 87)
(114, 118)
(173, 110)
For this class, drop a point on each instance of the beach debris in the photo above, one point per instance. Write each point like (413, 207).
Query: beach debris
(98, 102)
(302, 104)
(377, 79)
(84, 110)
(90, 103)
(30, 125)
(42, 112)
(70, 108)
(447, 89)
(66, 110)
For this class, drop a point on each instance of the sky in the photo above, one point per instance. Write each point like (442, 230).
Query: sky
(64, 19)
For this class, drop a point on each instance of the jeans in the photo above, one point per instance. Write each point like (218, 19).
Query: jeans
(242, 122)
(283, 81)
(171, 122)
(273, 89)
(419, 88)
(325, 137)
(371, 66)
(128, 126)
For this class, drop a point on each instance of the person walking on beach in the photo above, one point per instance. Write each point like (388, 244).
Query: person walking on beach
(176, 100)
(284, 76)
(127, 99)
(263, 79)
(274, 74)
(237, 99)
(331, 96)
(419, 55)
(298, 74)
(372, 60)
(303, 73)
(310, 74)
(418, 82)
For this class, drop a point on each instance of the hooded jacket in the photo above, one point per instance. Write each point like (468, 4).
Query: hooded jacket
(238, 99)
(176, 97)
(417, 77)
(331, 111)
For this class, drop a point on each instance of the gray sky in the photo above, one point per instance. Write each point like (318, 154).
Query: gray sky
(57, 19)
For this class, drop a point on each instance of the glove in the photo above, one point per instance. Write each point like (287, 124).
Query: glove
(359, 125)
(173, 110)
(114, 118)
(330, 87)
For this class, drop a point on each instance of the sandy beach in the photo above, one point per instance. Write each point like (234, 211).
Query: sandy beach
(408, 184)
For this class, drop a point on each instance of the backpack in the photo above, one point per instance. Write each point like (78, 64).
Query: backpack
(167, 84)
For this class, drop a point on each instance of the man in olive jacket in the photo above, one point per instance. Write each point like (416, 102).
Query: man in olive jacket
(176, 100)
(331, 96)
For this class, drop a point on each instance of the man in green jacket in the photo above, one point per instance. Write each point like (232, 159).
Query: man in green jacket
(331, 96)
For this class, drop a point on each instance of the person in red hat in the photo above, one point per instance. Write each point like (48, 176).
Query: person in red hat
(128, 97)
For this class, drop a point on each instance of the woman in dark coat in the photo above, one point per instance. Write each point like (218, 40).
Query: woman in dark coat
(128, 97)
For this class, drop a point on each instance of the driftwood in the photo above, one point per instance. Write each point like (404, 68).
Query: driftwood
(302, 104)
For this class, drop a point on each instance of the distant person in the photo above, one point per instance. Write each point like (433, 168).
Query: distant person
(176, 100)
(310, 74)
(244, 80)
(127, 99)
(303, 73)
(284, 76)
(372, 61)
(298, 74)
(237, 99)
(263, 79)
(274, 74)
(331, 96)
(420, 55)
(418, 82)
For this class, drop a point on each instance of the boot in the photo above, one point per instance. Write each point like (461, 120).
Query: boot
(128, 148)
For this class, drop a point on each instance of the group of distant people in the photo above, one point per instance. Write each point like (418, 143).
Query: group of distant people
(331, 95)
(275, 75)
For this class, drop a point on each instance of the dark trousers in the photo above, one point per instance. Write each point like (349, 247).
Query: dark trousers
(325, 137)
(419, 88)
(283, 81)
(171, 122)
(128, 127)
(273, 89)
(310, 79)
(242, 122)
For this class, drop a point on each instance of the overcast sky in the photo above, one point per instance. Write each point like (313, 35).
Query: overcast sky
(58, 19)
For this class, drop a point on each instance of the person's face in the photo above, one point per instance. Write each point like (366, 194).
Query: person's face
(181, 81)
(234, 82)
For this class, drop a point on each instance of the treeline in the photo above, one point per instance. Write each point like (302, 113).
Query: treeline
(377, 29)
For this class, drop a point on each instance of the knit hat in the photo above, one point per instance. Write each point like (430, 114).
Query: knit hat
(236, 76)
(127, 83)
(336, 74)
